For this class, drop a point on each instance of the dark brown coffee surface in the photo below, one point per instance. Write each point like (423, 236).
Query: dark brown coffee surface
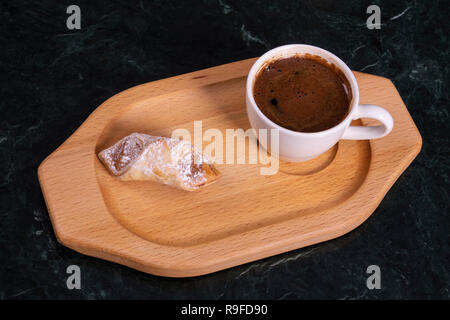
(302, 93)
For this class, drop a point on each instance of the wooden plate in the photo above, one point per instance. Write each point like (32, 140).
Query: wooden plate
(242, 217)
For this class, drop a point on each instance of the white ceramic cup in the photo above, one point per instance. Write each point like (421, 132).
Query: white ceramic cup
(301, 146)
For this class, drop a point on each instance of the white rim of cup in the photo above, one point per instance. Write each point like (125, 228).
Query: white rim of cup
(324, 53)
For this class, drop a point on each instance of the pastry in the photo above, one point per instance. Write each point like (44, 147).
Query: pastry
(169, 161)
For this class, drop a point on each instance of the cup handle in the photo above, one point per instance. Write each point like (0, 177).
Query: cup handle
(370, 132)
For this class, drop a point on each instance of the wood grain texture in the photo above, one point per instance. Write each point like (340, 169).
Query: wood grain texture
(242, 217)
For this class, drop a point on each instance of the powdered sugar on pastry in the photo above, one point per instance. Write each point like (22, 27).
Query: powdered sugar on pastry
(165, 160)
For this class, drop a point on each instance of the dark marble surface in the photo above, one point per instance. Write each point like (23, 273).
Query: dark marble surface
(53, 78)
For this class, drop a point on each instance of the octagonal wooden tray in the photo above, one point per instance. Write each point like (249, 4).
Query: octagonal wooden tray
(242, 217)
